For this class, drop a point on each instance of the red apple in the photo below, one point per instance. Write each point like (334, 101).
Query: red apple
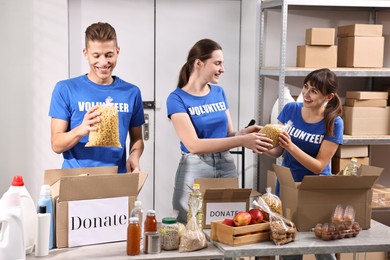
(229, 222)
(256, 216)
(242, 219)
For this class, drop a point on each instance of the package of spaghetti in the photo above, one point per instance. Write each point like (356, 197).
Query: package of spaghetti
(107, 133)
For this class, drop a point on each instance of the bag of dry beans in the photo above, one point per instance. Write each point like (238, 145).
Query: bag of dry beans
(107, 133)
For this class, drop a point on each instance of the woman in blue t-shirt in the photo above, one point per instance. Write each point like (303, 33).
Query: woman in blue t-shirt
(200, 115)
(316, 132)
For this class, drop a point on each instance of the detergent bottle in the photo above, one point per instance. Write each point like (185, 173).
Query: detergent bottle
(29, 212)
(11, 227)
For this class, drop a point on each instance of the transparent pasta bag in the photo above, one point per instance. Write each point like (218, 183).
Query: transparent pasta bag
(193, 237)
(107, 133)
(283, 231)
(273, 201)
(273, 131)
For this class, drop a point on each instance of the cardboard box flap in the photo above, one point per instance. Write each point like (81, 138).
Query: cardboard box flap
(218, 183)
(337, 182)
(53, 175)
(226, 194)
(366, 170)
(284, 175)
(100, 186)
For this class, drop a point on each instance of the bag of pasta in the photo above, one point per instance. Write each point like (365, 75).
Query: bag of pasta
(283, 231)
(107, 133)
(273, 201)
(193, 237)
(273, 131)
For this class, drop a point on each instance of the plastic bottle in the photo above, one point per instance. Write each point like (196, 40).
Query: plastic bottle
(138, 212)
(352, 168)
(11, 227)
(43, 232)
(150, 224)
(29, 213)
(45, 199)
(275, 109)
(133, 237)
(196, 200)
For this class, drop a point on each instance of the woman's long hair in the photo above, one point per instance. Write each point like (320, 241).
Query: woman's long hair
(327, 83)
(202, 50)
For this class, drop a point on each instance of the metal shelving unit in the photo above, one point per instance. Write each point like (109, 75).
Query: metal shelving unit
(283, 71)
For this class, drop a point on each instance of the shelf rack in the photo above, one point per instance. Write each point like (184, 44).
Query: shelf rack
(283, 71)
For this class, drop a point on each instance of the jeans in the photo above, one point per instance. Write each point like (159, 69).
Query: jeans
(318, 257)
(192, 166)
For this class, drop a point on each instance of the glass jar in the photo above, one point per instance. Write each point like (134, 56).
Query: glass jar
(150, 224)
(169, 234)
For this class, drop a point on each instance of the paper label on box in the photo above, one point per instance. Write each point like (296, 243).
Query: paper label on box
(222, 210)
(97, 221)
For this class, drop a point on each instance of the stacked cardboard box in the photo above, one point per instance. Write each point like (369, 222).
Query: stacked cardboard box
(319, 50)
(360, 45)
(366, 113)
(345, 153)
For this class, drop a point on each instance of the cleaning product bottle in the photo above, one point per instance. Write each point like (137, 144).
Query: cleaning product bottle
(43, 232)
(195, 201)
(275, 109)
(29, 213)
(11, 227)
(45, 200)
(138, 212)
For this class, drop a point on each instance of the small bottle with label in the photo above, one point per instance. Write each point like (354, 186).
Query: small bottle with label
(133, 237)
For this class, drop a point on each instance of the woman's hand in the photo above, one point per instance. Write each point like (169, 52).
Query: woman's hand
(257, 142)
(285, 140)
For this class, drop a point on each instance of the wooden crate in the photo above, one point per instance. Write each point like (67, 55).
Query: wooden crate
(236, 236)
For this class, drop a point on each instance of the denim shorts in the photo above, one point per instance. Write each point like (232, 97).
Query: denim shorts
(192, 166)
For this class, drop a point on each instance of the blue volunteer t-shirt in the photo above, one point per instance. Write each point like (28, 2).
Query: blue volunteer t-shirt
(207, 113)
(72, 98)
(308, 137)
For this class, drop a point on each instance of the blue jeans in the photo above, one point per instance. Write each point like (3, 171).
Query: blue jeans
(318, 257)
(192, 166)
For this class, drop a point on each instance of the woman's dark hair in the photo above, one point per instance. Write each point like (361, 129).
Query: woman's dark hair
(327, 83)
(202, 50)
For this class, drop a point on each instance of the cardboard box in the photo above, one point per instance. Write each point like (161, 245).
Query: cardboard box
(338, 164)
(368, 30)
(313, 200)
(364, 255)
(82, 184)
(223, 199)
(320, 36)
(316, 56)
(366, 120)
(364, 52)
(349, 151)
(364, 95)
(237, 236)
(366, 102)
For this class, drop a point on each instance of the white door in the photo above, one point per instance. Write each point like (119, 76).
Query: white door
(155, 37)
(179, 24)
(133, 21)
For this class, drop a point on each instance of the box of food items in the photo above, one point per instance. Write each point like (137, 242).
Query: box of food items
(313, 200)
(77, 190)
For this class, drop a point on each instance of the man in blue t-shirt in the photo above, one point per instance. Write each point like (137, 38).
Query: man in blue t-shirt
(75, 101)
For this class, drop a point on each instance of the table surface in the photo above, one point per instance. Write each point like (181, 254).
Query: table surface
(376, 239)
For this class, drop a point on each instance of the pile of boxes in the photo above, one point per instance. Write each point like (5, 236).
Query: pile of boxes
(366, 113)
(358, 45)
(319, 50)
(345, 153)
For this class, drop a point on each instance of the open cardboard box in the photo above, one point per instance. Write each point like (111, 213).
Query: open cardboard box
(81, 184)
(313, 200)
(222, 198)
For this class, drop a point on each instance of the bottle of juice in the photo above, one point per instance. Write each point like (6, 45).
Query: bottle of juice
(133, 237)
(150, 224)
